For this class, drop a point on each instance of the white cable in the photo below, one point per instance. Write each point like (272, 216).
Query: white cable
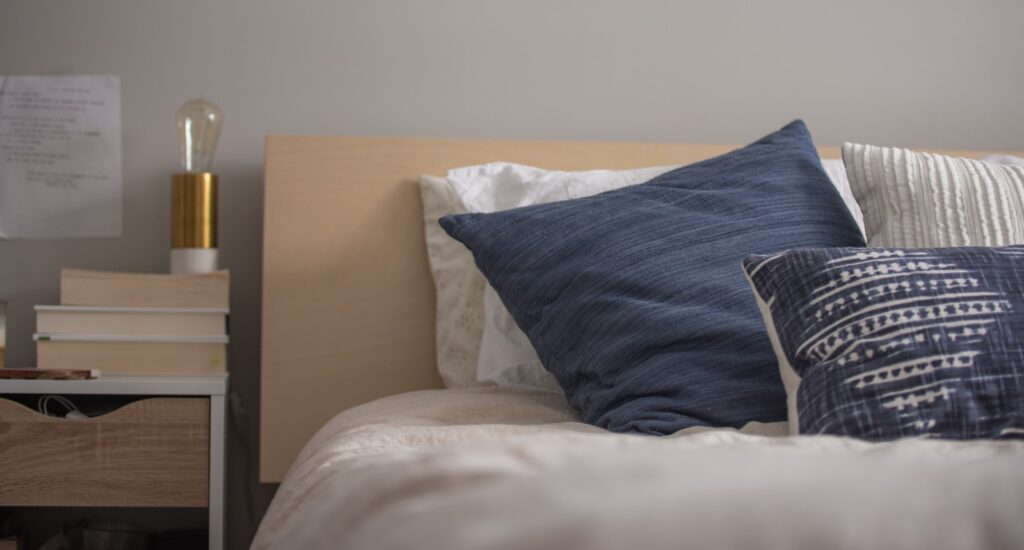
(43, 406)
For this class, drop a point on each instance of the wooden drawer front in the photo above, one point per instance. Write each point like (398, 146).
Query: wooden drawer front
(153, 452)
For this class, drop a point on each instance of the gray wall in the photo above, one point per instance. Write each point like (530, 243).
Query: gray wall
(939, 73)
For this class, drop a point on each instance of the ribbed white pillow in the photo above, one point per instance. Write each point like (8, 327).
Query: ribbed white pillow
(912, 200)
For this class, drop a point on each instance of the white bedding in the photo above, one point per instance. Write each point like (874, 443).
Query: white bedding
(495, 469)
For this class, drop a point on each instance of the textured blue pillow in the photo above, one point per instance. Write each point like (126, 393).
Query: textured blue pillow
(887, 343)
(635, 299)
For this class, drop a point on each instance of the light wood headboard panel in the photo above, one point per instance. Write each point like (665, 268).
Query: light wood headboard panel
(348, 300)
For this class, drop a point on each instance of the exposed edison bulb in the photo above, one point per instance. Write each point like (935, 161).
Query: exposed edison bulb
(199, 123)
(194, 190)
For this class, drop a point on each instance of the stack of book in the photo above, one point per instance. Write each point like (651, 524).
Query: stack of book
(136, 323)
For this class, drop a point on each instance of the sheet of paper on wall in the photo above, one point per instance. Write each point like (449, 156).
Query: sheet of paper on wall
(60, 157)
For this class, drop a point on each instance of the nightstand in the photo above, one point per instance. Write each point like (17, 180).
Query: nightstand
(163, 448)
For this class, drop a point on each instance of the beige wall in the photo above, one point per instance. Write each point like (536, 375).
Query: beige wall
(939, 73)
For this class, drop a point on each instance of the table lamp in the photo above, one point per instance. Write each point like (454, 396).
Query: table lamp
(194, 190)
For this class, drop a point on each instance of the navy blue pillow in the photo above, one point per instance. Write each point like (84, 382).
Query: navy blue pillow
(634, 298)
(888, 343)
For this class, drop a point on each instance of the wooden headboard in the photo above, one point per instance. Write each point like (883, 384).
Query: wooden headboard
(348, 299)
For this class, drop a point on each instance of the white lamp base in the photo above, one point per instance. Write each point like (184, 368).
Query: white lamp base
(186, 261)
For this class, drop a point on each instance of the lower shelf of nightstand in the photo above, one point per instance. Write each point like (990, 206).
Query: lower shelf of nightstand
(164, 527)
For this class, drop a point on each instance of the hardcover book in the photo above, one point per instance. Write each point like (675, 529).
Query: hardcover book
(199, 355)
(105, 288)
(131, 321)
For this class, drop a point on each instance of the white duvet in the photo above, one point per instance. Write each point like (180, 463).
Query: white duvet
(497, 469)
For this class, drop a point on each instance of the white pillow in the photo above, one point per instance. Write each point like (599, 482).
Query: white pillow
(460, 285)
(925, 200)
(507, 358)
(504, 355)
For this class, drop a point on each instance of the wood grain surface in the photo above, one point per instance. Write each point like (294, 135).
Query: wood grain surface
(152, 452)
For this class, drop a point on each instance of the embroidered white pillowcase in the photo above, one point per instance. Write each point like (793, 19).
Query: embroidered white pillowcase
(465, 356)
(917, 200)
(478, 343)
(459, 287)
(507, 357)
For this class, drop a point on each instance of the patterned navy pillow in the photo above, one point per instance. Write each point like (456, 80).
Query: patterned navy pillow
(887, 343)
(634, 299)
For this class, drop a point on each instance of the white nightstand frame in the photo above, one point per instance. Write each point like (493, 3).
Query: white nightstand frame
(213, 386)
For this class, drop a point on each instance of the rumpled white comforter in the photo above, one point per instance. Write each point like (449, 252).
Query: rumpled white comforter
(499, 469)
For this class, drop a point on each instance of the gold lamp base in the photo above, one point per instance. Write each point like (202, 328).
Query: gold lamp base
(194, 210)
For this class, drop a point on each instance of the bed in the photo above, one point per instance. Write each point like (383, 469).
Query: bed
(372, 452)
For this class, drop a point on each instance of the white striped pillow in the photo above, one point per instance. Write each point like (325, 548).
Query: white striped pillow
(912, 199)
